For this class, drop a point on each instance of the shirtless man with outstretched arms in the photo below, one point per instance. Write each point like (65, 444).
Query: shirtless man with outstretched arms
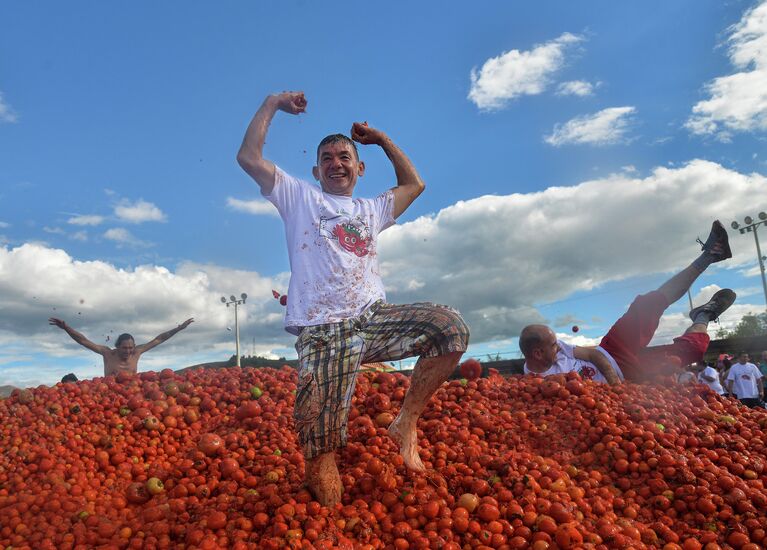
(124, 357)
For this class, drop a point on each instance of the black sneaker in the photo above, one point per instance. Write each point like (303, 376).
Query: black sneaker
(717, 305)
(718, 243)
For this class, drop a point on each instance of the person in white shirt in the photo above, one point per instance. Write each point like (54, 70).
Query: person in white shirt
(688, 376)
(617, 357)
(710, 377)
(336, 300)
(744, 382)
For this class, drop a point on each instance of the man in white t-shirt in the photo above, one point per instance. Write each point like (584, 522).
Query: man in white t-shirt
(744, 381)
(617, 357)
(336, 301)
(710, 377)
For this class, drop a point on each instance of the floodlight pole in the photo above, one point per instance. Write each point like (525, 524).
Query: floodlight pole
(751, 227)
(236, 302)
(761, 263)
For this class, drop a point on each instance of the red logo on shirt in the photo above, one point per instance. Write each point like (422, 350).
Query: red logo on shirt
(350, 238)
(588, 372)
(745, 377)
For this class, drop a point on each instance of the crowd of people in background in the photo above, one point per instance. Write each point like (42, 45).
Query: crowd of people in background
(732, 376)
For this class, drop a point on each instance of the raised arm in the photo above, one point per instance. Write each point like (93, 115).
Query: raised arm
(409, 183)
(593, 355)
(160, 338)
(78, 337)
(251, 154)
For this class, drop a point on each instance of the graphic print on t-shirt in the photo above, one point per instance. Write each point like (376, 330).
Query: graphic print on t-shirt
(587, 372)
(352, 234)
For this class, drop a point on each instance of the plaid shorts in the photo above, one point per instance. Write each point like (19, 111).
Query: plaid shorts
(330, 355)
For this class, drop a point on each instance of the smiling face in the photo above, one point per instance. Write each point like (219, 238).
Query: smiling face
(338, 168)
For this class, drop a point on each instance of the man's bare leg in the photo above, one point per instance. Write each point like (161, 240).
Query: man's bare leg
(323, 479)
(697, 327)
(428, 375)
(676, 286)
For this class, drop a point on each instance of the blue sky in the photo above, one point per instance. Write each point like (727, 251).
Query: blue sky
(572, 153)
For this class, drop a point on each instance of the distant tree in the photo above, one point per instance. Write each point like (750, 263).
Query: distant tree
(721, 333)
(751, 325)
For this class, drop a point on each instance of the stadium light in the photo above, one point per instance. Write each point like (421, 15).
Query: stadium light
(751, 227)
(234, 301)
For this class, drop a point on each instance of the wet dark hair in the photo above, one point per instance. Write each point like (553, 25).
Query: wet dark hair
(337, 138)
(122, 338)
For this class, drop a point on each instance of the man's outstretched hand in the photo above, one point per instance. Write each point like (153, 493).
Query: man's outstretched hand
(364, 134)
(186, 323)
(57, 322)
(292, 103)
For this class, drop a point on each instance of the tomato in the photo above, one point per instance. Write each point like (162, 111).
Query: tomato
(488, 512)
(249, 409)
(517, 462)
(384, 419)
(229, 467)
(469, 501)
(137, 493)
(210, 444)
(216, 520)
(154, 486)
(470, 369)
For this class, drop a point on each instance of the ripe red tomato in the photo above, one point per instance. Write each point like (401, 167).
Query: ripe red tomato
(558, 462)
(210, 444)
(249, 409)
(137, 493)
(471, 369)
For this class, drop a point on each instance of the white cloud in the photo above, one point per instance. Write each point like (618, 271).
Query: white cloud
(608, 126)
(139, 212)
(577, 340)
(579, 88)
(562, 240)
(753, 271)
(738, 102)
(122, 237)
(53, 230)
(257, 207)
(757, 291)
(100, 299)
(516, 73)
(81, 236)
(7, 114)
(3, 225)
(85, 219)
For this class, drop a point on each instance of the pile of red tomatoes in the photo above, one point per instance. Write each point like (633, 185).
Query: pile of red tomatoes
(209, 459)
